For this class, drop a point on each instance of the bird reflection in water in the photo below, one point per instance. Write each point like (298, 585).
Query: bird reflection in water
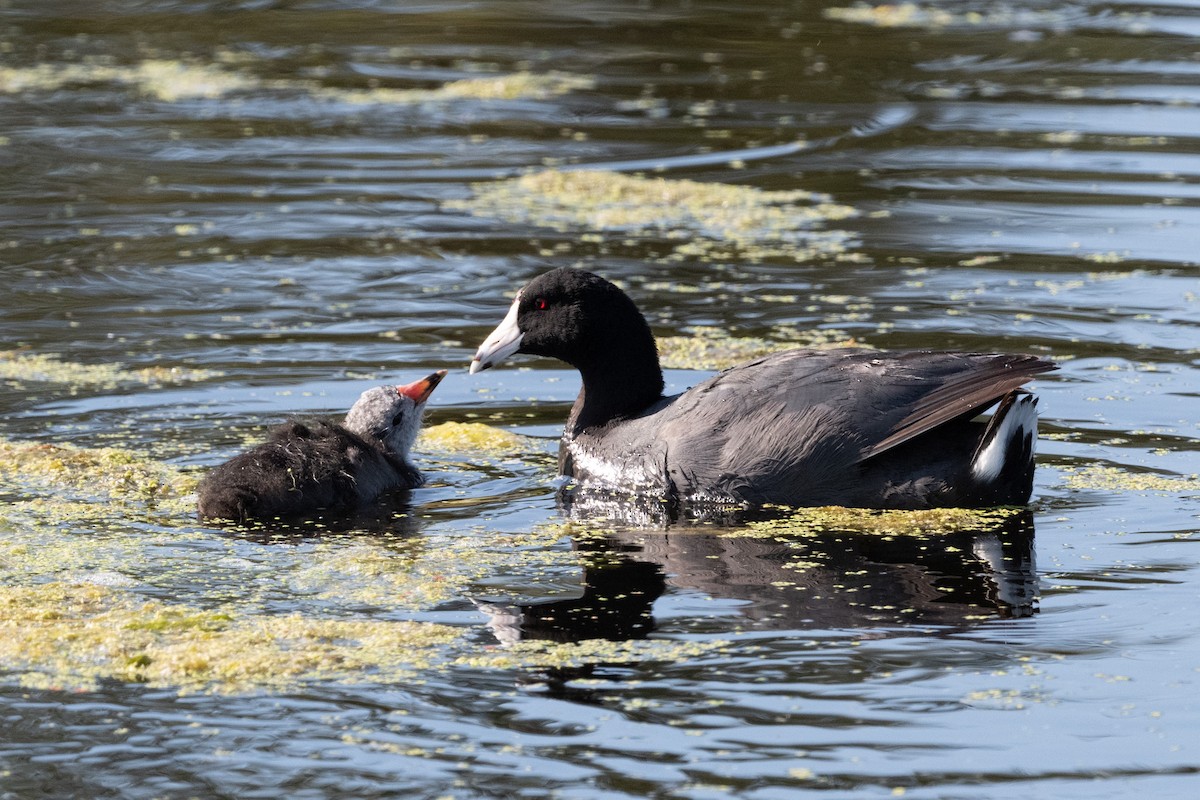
(825, 581)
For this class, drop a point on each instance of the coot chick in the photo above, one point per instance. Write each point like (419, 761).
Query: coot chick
(801, 428)
(306, 465)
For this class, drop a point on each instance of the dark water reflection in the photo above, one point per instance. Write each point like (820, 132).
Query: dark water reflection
(280, 195)
(825, 581)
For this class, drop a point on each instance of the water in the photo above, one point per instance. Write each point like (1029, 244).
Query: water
(283, 195)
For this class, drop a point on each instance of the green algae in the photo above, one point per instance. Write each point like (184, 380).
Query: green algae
(711, 348)
(59, 635)
(881, 522)
(475, 437)
(59, 512)
(516, 86)
(162, 79)
(792, 523)
(914, 15)
(1113, 479)
(25, 368)
(700, 219)
(103, 475)
(429, 570)
(174, 80)
(80, 548)
(545, 654)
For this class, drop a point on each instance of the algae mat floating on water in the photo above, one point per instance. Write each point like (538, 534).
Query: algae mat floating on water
(713, 348)
(172, 81)
(708, 219)
(476, 438)
(1099, 477)
(913, 15)
(26, 368)
(104, 474)
(549, 654)
(59, 635)
(795, 523)
(922, 522)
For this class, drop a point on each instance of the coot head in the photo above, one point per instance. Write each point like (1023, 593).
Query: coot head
(567, 314)
(391, 415)
(588, 322)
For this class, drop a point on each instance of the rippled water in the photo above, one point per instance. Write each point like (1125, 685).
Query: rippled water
(288, 202)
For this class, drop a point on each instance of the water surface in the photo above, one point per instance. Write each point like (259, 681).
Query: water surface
(286, 203)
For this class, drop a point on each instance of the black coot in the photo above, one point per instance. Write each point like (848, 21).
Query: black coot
(306, 465)
(804, 427)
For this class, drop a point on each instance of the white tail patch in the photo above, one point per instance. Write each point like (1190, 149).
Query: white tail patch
(1017, 420)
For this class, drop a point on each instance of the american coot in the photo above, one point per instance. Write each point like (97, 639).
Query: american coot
(308, 465)
(803, 427)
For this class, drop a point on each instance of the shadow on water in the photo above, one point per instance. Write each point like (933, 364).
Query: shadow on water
(833, 580)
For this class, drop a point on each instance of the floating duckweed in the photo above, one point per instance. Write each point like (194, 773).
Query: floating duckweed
(115, 553)
(923, 522)
(517, 86)
(475, 437)
(913, 15)
(373, 576)
(33, 368)
(575, 529)
(106, 473)
(429, 570)
(534, 653)
(59, 635)
(165, 80)
(706, 219)
(801, 522)
(714, 348)
(59, 511)
(1113, 479)
(172, 81)
(175, 619)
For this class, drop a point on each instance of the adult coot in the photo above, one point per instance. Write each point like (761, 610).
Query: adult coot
(803, 427)
(307, 465)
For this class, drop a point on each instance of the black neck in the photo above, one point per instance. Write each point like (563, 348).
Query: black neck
(618, 383)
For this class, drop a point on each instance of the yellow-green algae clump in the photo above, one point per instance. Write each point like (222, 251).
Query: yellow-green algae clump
(921, 522)
(172, 81)
(25, 368)
(914, 15)
(707, 219)
(104, 474)
(430, 570)
(516, 86)
(160, 78)
(714, 348)
(788, 522)
(475, 437)
(1113, 479)
(59, 635)
(535, 653)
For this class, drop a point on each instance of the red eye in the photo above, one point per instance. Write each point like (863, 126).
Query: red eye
(541, 304)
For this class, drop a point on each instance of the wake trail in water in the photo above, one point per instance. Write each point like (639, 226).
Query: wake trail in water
(885, 121)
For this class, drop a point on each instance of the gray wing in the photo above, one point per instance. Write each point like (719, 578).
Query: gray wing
(799, 424)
